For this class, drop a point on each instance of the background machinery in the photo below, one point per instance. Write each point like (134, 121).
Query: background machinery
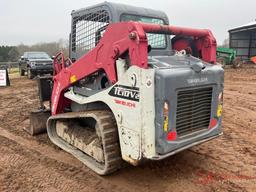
(130, 93)
(227, 56)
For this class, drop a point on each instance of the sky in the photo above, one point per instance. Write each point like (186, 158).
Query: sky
(35, 21)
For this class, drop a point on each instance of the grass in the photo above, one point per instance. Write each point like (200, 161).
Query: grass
(13, 70)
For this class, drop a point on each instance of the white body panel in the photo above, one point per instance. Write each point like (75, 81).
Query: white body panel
(135, 119)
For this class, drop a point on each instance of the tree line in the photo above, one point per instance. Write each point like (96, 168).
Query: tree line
(13, 53)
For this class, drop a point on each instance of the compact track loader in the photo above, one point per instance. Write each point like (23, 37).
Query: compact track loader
(130, 91)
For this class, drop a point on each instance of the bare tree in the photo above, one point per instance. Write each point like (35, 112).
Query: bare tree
(52, 48)
(13, 54)
(225, 43)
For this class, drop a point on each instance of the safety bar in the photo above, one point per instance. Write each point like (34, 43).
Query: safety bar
(59, 63)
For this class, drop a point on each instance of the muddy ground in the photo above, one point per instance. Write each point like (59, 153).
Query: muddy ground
(224, 164)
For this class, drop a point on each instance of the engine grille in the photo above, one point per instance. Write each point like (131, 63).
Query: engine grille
(44, 62)
(193, 110)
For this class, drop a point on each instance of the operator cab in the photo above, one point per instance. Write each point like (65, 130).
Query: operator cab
(88, 26)
(164, 51)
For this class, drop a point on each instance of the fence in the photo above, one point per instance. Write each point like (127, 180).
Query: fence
(10, 66)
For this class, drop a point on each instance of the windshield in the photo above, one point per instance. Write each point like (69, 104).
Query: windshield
(156, 41)
(38, 56)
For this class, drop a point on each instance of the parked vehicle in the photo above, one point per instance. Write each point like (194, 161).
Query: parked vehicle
(35, 63)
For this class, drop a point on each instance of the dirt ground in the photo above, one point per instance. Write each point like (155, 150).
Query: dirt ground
(225, 164)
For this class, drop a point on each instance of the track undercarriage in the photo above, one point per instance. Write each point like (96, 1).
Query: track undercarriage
(90, 136)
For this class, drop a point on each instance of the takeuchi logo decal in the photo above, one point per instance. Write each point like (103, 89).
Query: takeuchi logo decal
(197, 80)
(125, 92)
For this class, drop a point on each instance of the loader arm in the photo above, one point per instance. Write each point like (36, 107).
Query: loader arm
(120, 38)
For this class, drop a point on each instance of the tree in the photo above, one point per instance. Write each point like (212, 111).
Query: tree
(22, 48)
(52, 48)
(225, 43)
(13, 54)
(4, 50)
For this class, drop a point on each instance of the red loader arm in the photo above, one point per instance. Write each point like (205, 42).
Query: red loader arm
(203, 39)
(118, 39)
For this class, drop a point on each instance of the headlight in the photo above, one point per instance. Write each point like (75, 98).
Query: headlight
(32, 64)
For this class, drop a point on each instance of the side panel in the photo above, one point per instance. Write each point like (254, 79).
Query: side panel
(125, 99)
(148, 113)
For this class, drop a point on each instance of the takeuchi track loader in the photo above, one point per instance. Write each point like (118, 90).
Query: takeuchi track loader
(134, 88)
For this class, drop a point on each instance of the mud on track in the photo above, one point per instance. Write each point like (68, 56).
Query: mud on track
(224, 164)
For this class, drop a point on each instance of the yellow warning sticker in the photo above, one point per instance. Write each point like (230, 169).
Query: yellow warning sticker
(166, 123)
(219, 111)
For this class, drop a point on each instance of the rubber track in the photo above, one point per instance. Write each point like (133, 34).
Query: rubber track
(109, 135)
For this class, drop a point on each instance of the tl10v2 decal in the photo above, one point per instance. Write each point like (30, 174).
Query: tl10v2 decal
(125, 92)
